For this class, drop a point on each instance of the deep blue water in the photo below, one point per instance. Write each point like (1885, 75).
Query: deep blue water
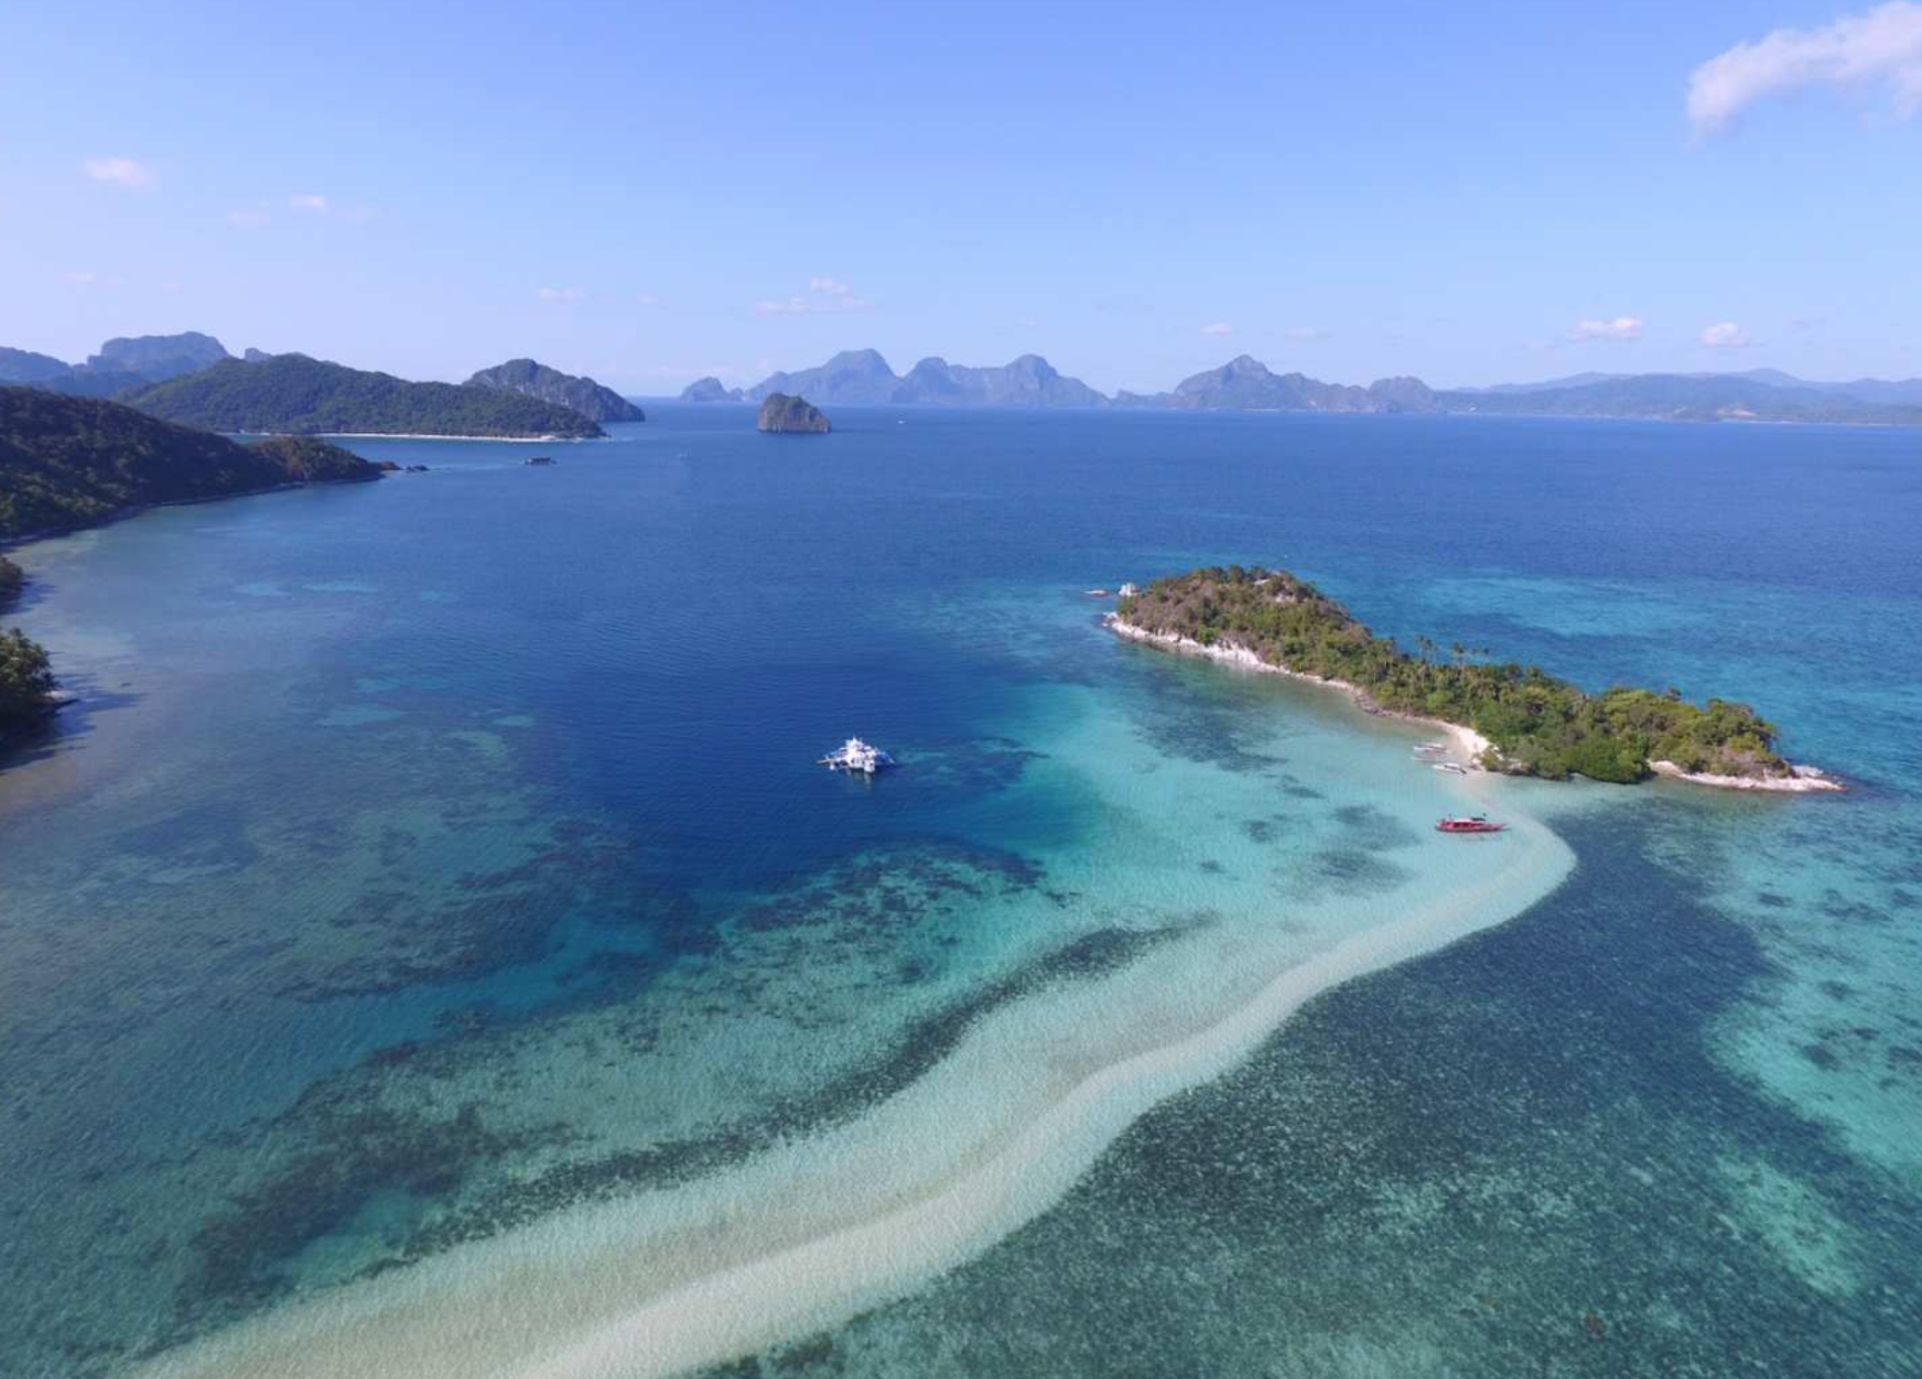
(430, 856)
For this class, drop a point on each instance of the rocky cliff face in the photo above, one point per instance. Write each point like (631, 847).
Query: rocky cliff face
(1029, 381)
(862, 378)
(855, 378)
(123, 363)
(783, 414)
(583, 395)
(157, 358)
(1247, 384)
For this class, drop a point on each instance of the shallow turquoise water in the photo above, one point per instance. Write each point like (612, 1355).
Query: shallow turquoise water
(433, 858)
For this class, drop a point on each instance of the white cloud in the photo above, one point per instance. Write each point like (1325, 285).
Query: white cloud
(1620, 328)
(250, 216)
(1305, 334)
(310, 203)
(119, 172)
(561, 294)
(1726, 335)
(1881, 47)
(83, 279)
(1218, 328)
(823, 295)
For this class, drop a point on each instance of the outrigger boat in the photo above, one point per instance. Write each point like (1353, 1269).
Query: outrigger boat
(1427, 749)
(1454, 768)
(858, 758)
(1473, 823)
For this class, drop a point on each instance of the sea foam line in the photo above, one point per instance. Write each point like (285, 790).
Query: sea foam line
(590, 1294)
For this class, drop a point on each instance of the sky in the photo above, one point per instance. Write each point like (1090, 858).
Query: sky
(648, 193)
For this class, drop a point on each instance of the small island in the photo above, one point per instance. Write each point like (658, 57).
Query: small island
(787, 415)
(1515, 719)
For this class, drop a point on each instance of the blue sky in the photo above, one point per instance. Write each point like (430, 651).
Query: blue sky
(652, 192)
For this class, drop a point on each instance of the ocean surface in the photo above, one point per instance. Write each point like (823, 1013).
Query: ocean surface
(430, 947)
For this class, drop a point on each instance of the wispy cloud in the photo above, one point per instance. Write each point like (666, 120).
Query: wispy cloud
(249, 216)
(561, 294)
(1619, 328)
(1305, 334)
(1879, 48)
(120, 172)
(1218, 329)
(313, 203)
(1726, 335)
(823, 295)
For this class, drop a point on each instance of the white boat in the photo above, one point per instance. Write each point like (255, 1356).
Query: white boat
(857, 757)
(1454, 768)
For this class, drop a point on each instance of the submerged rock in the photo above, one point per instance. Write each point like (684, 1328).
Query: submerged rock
(781, 413)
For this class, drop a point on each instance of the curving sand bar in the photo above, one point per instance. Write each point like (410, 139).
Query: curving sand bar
(807, 1236)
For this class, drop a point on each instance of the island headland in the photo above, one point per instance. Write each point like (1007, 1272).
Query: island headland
(69, 462)
(536, 380)
(1509, 718)
(291, 394)
(785, 415)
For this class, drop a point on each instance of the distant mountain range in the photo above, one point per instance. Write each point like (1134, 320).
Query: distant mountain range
(191, 379)
(1884, 392)
(863, 378)
(122, 364)
(1245, 384)
(1701, 397)
(290, 394)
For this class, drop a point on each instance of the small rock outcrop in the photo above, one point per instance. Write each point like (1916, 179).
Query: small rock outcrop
(711, 389)
(787, 415)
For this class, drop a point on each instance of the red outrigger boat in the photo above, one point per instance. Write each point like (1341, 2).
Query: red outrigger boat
(1474, 823)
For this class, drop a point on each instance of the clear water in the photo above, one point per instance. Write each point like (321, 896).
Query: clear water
(432, 949)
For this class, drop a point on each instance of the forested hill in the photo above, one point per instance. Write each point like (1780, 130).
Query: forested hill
(534, 379)
(1539, 725)
(69, 461)
(291, 394)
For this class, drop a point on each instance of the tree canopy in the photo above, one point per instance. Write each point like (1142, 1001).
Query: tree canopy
(1539, 725)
